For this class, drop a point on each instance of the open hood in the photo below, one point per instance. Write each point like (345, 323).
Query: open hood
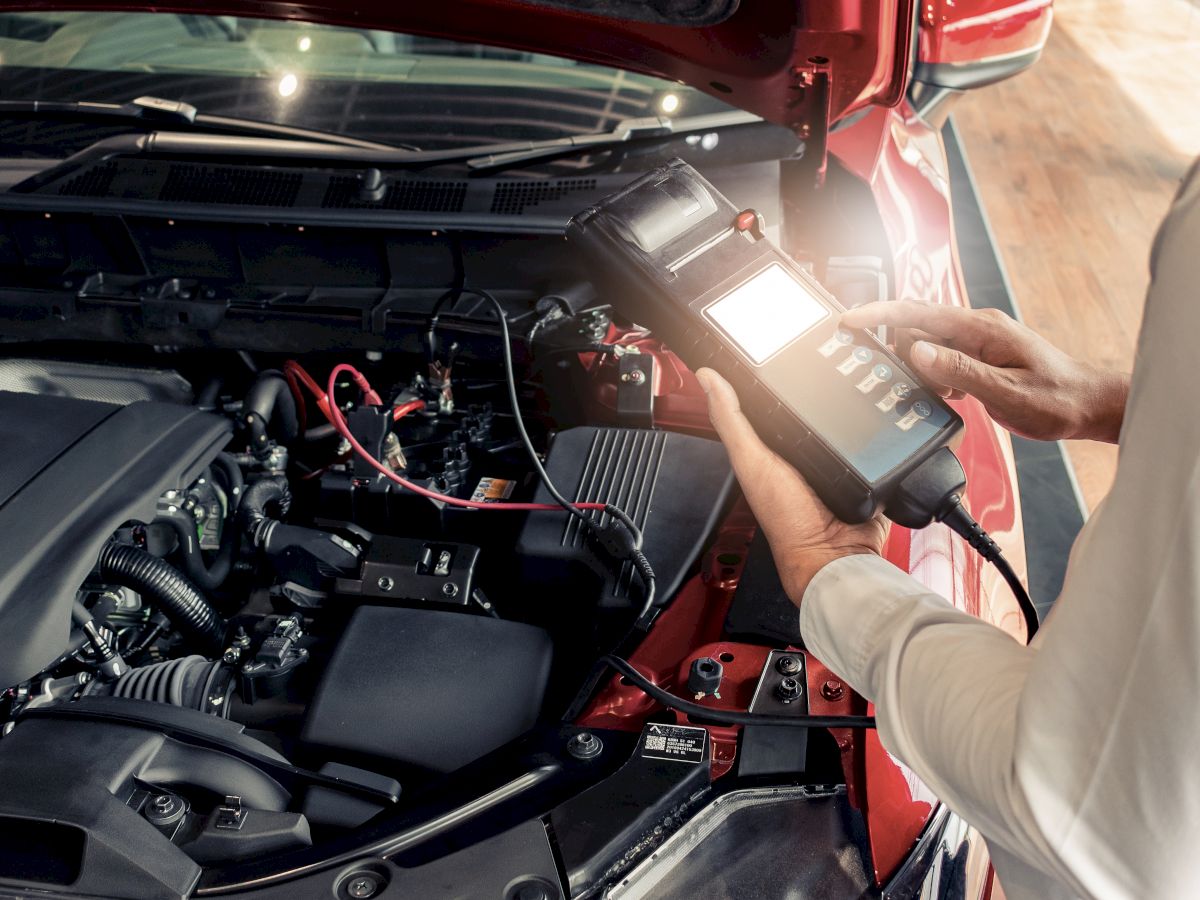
(799, 63)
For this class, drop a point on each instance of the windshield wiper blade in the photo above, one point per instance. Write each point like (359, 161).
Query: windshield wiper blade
(626, 131)
(490, 157)
(155, 111)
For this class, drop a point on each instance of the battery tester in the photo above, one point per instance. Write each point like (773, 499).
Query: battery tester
(839, 405)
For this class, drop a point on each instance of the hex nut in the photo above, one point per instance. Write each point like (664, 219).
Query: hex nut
(788, 665)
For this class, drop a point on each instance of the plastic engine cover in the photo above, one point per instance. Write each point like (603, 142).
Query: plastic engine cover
(72, 472)
(675, 488)
(429, 688)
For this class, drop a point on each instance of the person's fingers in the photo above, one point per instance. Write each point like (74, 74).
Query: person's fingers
(783, 503)
(725, 411)
(954, 322)
(952, 369)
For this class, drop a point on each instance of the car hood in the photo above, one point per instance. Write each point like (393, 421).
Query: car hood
(800, 63)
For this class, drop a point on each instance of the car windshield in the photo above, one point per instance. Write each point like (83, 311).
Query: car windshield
(376, 85)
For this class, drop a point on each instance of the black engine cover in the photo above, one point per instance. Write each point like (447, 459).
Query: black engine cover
(675, 488)
(73, 471)
(429, 688)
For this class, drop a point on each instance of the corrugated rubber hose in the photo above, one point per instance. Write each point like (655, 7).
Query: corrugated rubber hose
(179, 599)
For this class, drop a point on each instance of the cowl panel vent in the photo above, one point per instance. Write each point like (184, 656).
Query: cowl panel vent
(513, 197)
(406, 194)
(236, 185)
(94, 182)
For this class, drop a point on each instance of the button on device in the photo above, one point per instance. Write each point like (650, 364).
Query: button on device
(918, 411)
(880, 374)
(858, 358)
(841, 338)
(900, 391)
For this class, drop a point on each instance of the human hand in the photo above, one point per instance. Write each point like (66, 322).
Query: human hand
(1026, 383)
(804, 535)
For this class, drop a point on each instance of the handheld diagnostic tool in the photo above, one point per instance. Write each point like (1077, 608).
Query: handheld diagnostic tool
(678, 257)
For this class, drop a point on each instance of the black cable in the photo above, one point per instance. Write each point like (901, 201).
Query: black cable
(621, 543)
(511, 383)
(932, 492)
(724, 716)
(963, 523)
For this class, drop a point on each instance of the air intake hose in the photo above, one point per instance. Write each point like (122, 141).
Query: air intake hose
(191, 681)
(255, 500)
(177, 597)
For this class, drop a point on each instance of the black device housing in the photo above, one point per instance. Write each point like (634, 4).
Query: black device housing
(674, 486)
(669, 247)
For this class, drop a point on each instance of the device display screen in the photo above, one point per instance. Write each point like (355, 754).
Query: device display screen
(766, 313)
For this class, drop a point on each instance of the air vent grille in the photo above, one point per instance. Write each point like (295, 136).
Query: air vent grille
(408, 194)
(230, 185)
(513, 197)
(95, 182)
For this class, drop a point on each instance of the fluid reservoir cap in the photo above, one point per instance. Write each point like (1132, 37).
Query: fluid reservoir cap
(704, 678)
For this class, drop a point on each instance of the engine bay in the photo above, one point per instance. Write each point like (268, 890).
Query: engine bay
(229, 635)
(288, 587)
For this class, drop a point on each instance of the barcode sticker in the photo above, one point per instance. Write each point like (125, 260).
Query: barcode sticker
(674, 742)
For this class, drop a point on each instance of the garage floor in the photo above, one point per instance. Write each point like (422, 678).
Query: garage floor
(1076, 162)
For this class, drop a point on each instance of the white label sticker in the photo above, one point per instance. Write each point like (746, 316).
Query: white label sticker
(879, 375)
(920, 410)
(840, 339)
(898, 392)
(860, 357)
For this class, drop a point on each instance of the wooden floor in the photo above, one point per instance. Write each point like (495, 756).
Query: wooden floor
(1076, 162)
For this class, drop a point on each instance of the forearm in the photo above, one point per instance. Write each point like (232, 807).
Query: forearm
(1103, 395)
(946, 686)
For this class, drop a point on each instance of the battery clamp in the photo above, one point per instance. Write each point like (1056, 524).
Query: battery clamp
(836, 403)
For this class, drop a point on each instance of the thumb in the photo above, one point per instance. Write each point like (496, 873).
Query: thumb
(950, 368)
(745, 448)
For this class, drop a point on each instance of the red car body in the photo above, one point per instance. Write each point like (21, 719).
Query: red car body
(839, 70)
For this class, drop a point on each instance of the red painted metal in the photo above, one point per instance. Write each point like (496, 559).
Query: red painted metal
(967, 31)
(904, 163)
(761, 59)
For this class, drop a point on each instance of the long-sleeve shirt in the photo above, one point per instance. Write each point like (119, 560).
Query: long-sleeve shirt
(1077, 757)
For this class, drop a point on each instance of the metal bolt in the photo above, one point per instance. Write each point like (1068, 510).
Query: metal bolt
(788, 665)
(833, 690)
(362, 886)
(788, 689)
(385, 583)
(162, 802)
(584, 745)
(450, 589)
(636, 376)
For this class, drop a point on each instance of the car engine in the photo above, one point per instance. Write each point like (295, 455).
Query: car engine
(226, 634)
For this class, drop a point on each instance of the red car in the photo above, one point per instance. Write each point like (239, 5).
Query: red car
(287, 606)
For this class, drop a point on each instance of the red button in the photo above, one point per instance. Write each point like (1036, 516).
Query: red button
(747, 220)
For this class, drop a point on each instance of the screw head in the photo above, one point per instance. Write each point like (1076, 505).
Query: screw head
(788, 665)
(450, 589)
(585, 745)
(362, 886)
(385, 583)
(833, 690)
(788, 689)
